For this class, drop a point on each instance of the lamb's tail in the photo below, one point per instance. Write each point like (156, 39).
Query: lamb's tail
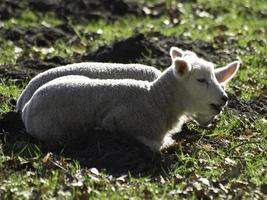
(25, 96)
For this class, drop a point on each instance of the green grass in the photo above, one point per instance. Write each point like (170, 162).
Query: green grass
(8, 90)
(227, 161)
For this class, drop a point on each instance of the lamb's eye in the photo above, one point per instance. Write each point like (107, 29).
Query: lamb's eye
(201, 80)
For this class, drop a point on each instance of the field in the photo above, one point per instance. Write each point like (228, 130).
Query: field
(225, 161)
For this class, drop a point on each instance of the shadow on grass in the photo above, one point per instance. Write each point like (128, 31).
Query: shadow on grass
(113, 152)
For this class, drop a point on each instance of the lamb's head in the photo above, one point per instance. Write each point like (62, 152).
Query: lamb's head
(205, 97)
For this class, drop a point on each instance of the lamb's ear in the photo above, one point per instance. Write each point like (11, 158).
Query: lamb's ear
(176, 53)
(181, 67)
(225, 74)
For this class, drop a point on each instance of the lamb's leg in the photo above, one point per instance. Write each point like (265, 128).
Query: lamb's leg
(118, 120)
(168, 141)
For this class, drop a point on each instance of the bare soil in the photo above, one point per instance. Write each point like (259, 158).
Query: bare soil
(79, 10)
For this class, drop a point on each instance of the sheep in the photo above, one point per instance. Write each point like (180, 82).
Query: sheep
(147, 111)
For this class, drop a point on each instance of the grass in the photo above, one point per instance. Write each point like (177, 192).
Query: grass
(228, 161)
(8, 90)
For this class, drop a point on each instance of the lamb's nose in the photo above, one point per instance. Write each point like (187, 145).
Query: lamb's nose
(225, 98)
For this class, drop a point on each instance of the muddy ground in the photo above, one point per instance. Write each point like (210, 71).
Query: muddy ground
(111, 151)
(79, 10)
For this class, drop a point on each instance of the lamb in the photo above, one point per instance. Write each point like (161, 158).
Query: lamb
(144, 110)
(95, 70)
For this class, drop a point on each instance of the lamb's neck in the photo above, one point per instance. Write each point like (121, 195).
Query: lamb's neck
(164, 92)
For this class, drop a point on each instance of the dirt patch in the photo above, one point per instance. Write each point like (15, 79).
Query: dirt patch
(250, 109)
(79, 10)
(39, 36)
(86, 10)
(124, 51)
(15, 73)
(44, 36)
(153, 49)
(10, 8)
(45, 64)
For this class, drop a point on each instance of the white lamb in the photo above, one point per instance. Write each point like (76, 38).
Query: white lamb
(145, 110)
(95, 70)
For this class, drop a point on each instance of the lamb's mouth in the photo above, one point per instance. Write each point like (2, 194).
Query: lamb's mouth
(216, 107)
(207, 123)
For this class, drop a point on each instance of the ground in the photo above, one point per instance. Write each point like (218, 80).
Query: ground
(227, 160)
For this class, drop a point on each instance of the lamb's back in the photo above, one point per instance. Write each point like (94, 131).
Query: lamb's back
(80, 91)
(91, 70)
